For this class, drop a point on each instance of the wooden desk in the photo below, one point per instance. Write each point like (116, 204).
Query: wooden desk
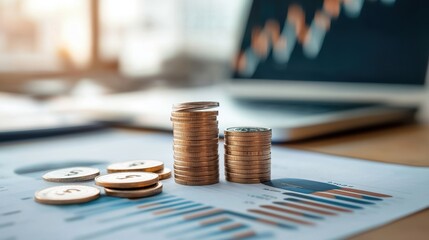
(404, 144)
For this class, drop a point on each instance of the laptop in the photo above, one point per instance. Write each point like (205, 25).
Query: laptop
(308, 68)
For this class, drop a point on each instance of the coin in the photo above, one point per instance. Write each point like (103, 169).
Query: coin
(232, 142)
(196, 138)
(195, 114)
(194, 119)
(248, 175)
(193, 106)
(248, 131)
(246, 181)
(247, 158)
(196, 157)
(209, 142)
(199, 156)
(136, 165)
(188, 133)
(68, 194)
(196, 169)
(247, 148)
(135, 193)
(126, 180)
(195, 149)
(196, 178)
(247, 171)
(196, 173)
(238, 153)
(197, 164)
(257, 140)
(245, 165)
(164, 173)
(196, 183)
(73, 174)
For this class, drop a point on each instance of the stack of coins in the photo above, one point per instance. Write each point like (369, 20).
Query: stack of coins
(196, 157)
(130, 184)
(248, 154)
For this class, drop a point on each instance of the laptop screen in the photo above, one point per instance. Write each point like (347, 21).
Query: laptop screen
(361, 41)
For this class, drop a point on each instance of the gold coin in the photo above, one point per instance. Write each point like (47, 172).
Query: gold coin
(247, 148)
(135, 193)
(247, 141)
(238, 153)
(196, 164)
(247, 171)
(247, 166)
(196, 126)
(195, 114)
(196, 172)
(73, 174)
(196, 183)
(193, 149)
(196, 178)
(197, 119)
(125, 180)
(195, 169)
(248, 162)
(245, 176)
(196, 143)
(247, 158)
(246, 181)
(136, 165)
(230, 142)
(194, 106)
(198, 103)
(248, 131)
(196, 157)
(184, 156)
(68, 194)
(164, 173)
(195, 130)
(187, 133)
(196, 138)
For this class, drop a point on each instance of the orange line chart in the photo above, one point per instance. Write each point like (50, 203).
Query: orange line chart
(281, 42)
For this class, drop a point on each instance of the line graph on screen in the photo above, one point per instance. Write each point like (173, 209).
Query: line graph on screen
(281, 42)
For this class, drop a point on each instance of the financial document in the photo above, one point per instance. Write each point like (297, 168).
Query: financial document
(311, 195)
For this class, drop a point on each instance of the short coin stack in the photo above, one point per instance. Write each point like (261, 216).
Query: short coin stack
(134, 179)
(130, 184)
(248, 154)
(196, 135)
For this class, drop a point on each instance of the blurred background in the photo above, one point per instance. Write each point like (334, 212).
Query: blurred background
(59, 57)
(121, 45)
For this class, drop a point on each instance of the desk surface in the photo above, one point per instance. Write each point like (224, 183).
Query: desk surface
(404, 144)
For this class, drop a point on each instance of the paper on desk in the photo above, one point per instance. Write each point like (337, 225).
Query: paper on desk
(314, 195)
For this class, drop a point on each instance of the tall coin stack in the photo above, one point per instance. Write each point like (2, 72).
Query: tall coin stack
(248, 154)
(196, 135)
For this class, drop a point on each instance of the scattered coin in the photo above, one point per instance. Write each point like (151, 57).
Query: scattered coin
(195, 144)
(247, 154)
(127, 180)
(136, 165)
(164, 173)
(68, 194)
(73, 174)
(135, 193)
